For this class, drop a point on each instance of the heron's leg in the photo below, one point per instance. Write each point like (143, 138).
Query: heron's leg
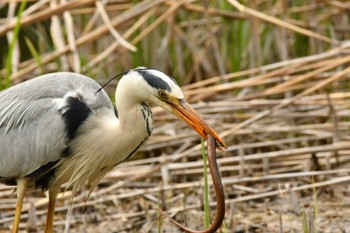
(21, 189)
(53, 192)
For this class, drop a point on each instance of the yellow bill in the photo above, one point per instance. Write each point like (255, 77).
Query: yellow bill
(184, 111)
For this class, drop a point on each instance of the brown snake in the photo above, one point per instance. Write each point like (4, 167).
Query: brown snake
(219, 191)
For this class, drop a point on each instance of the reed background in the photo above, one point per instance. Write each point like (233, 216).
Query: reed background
(271, 75)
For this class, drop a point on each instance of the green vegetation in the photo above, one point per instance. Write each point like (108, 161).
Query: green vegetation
(206, 187)
(192, 43)
(13, 44)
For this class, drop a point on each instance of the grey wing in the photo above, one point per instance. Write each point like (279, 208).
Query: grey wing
(34, 119)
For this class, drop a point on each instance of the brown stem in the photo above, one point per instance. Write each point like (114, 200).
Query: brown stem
(219, 192)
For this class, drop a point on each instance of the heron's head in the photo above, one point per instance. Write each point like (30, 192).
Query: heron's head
(156, 88)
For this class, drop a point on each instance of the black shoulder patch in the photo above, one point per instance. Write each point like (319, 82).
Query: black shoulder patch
(154, 81)
(76, 112)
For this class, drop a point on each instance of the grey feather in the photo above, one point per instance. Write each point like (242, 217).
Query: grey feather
(32, 130)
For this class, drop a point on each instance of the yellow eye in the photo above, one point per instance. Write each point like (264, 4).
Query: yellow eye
(161, 94)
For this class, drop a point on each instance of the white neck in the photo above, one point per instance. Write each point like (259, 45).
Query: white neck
(105, 141)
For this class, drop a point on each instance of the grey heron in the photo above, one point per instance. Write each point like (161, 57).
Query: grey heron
(63, 128)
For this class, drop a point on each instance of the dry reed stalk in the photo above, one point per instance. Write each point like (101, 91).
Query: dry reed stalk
(41, 15)
(92, 36)
(58, 39)
(115, 44)
(280, 23)
(283, 64)
(114, 32)
(282, 88)
(68, 21)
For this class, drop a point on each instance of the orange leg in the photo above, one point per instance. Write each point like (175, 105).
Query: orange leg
(21, 189)
(53, 192)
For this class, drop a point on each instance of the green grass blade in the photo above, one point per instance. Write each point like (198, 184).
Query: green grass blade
(206, 188)
(159, 211)
(13, 43)
(35, 54)
(315, 206)
(305, 223)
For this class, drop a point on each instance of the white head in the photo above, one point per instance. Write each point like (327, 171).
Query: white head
(150, 86)
(147, 85)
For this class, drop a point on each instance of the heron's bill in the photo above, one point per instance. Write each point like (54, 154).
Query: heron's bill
(184, 111)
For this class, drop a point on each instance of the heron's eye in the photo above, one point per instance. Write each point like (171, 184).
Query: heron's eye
(161, 94)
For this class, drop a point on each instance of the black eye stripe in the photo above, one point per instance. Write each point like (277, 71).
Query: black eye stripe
(155, 81)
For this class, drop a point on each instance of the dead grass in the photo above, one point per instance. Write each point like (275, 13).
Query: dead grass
(273, 78)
